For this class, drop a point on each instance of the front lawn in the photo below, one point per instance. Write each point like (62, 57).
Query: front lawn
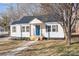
(6, 46)
(51, 47)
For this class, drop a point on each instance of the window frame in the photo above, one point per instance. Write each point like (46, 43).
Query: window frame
(54, 28)
(28, 30)
(48, 28)
(23, 29)
(14, 29)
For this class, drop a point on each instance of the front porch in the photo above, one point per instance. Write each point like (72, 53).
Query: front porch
(36, 27)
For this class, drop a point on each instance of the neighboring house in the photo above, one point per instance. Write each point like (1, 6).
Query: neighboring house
(2, 32)
(47, 26)
(1, 29)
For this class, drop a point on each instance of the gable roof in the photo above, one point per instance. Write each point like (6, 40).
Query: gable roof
(46, 18)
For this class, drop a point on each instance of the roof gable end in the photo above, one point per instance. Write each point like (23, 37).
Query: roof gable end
(35, 20)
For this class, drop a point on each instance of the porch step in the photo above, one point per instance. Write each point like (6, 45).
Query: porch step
(39, 37)
(36, 37)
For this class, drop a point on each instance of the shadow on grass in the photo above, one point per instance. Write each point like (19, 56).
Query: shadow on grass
(54, 38)
(51, 47)
(75, 43)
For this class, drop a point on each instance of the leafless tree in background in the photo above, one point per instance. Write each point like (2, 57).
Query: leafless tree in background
(16, 12)
(69, 13)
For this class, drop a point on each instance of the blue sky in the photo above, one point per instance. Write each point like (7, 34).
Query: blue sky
(3, 6)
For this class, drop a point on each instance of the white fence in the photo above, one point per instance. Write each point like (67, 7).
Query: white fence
(3, 33)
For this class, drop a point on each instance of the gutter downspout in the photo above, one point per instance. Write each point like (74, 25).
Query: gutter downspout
(21, 31)
(30, 30)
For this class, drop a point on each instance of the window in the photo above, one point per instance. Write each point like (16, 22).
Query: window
(27, 28)
(54, 28)
(23, 29)
(48, 28)
(14, 29)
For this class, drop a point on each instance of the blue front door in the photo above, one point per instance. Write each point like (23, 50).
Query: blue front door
(37, 29)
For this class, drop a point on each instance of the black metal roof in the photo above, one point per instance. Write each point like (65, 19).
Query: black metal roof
(46, 18)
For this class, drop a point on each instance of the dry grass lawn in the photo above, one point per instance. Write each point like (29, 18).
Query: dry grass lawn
(46, 47)
(6, 46)
(42, 48)
(51, 47)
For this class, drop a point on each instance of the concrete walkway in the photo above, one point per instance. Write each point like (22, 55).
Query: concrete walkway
(25, 45)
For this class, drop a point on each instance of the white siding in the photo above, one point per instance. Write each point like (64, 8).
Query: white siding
(32, 30)
(18, 32)
(35, 21)
(59, 34)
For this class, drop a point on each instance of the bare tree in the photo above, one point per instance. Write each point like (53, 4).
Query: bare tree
(5, 23)
(17, 11)
(68, 11)
(28, 9)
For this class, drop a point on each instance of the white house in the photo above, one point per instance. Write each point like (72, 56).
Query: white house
(37, 25)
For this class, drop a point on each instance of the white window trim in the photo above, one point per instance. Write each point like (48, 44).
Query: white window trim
(23, 29)
(14, 30)
(47, 28)
(56, 28)
(28, 28)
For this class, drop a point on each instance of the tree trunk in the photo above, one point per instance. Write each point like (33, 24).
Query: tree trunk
(69, 27)
(69, 33)
(65, 25)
